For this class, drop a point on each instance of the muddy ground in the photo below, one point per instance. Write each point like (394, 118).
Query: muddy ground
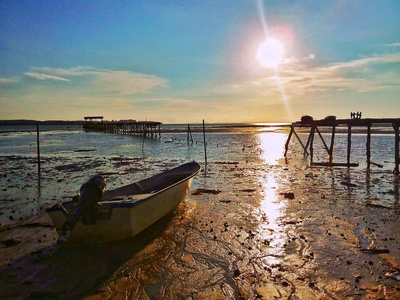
(246, 231)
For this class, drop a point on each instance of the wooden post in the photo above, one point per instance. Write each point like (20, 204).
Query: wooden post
(188, 134)
(191, 136)
(38, 147)
(301, 143)
(348, 144)
(332, 143)
(288, 140)
(322, 139)
(368, 147)
(312, 133)
(205, 143)
(308, 140)
(396, 148)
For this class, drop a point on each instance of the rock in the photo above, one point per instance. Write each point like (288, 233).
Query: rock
(348, 184)
(205, 191)
(289, 195)
(225, 201)
(10, 243)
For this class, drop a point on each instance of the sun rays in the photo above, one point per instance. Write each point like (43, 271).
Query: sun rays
(270, 54)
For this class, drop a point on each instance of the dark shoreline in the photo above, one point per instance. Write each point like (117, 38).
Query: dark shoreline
(33, 122)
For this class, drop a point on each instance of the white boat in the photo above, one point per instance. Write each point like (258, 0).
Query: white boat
(124, 212)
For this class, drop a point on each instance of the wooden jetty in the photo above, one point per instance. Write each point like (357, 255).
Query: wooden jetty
(142, 128)
(332, 123)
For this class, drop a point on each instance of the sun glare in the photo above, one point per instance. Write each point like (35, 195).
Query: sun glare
(270, 53)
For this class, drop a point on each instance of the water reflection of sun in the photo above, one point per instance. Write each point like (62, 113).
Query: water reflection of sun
(272, 146)
(270, 205)
(271, 208)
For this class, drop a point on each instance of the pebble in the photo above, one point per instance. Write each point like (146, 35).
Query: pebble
(236, 273)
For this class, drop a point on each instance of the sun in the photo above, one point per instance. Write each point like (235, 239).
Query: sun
(270, 53)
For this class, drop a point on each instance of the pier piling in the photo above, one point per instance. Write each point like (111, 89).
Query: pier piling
(189, 135)
(38, 148)
(396, 147)
(348, 144)
(205, 143)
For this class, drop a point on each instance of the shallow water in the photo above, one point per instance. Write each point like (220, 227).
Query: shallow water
(255, 226)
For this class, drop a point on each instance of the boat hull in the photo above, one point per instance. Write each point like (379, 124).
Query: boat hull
(127, 217)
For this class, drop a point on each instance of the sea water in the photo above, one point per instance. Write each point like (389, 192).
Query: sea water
(69, 156)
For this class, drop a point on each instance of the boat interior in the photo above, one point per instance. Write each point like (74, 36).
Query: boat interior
(136, 191)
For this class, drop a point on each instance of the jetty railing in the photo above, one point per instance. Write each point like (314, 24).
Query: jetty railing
(333, 123)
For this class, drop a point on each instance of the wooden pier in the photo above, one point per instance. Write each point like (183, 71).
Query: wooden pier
(143, 128)
(332, 123)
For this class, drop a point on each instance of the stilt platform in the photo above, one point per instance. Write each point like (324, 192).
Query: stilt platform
(332, 123)
(143, 128)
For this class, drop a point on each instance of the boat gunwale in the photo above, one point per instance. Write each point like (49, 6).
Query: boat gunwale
(131, 203)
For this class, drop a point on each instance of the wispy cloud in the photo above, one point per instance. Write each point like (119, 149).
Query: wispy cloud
(8, 80)
(392, 45)
(79, 90)
(299, 78)
(378, 59)
(294, 60)
(110, 82)
(42, 76)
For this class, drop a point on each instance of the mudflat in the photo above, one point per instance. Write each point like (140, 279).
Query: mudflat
(247, 230)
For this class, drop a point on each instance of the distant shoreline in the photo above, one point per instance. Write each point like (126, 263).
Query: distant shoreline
(33, 122)
(212, 127)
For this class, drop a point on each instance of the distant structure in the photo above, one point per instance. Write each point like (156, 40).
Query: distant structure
(89, 120)
(127, 121)
(331, 121)
(130, 126)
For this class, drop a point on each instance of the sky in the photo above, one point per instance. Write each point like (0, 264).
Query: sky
(184, 61)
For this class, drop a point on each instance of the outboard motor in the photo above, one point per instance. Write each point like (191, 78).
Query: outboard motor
(90, 194)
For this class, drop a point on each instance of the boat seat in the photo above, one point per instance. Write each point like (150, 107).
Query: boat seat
(128, 198)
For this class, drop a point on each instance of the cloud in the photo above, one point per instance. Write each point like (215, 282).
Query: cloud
(104, 81)
(8, 80)
(392, 45)
(294, 60)
(79, 91)
(298, 77)
(41, 76)
(124, 82)
(74, 71)
(105, 103)
(378, 59)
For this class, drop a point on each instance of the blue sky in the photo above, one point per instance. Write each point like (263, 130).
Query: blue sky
(184, 61)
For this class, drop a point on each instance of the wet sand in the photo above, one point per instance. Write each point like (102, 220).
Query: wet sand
(246, 231)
